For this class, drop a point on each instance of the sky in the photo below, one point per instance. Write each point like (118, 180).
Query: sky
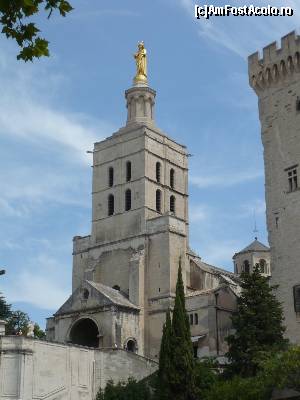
(53, 110)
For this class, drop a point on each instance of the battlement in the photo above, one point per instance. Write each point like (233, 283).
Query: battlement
(276, 64)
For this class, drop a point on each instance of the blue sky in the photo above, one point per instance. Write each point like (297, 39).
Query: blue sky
(52, 110)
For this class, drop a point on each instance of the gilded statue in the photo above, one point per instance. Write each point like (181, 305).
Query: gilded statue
(141, 64)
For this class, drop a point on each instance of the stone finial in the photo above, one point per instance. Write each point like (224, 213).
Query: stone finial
(140, 104)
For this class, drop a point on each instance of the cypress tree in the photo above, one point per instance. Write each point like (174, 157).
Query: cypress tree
(258, 325)
(165, 361)
(182, 365)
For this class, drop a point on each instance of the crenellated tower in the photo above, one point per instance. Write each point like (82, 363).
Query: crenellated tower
(276, 80)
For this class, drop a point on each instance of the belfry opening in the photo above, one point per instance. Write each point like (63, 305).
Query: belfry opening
(85, 333)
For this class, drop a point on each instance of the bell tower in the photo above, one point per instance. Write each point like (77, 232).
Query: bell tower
(139, 213)
(275, 79)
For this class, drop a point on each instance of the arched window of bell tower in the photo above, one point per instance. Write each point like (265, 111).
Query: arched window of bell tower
(158, 200)
(172, 204)
(110, 204)
(110, 176)
(158, 171)
(128, 171)
(172, 178)
(128, 200)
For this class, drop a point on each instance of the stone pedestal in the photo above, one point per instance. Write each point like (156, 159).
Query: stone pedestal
(140, 104)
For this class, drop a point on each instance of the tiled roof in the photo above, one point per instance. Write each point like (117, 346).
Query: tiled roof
(112, 294)
(255, 246)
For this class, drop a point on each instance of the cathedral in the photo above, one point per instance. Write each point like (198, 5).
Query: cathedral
(125, 271)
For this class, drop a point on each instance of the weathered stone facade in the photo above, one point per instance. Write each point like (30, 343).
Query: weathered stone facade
(275, 79)
(34, 369)
(125, 272)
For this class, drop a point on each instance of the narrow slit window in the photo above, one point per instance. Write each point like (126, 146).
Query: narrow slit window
(158, 201)
(158, 171)
(296, 290)
(196, 319)
(246, 267)
(128, 171)
(110, 176)
(128, 200)
(172, 204)
(111, 204)
(292, 179)
(172, 178)
(191, 319)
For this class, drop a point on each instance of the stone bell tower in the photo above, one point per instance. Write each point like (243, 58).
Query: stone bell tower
(139, 214)
(276, 80)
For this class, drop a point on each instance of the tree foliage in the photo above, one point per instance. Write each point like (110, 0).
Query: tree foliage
(14, 18)
(258, 325)
(176, 377)
(206, 376)
(282, 369)
(5, 309)
(17, 321)
(165, 360)
(238, 388)
(130, 390)
(279, 370)
(38, 332)
(183, 363)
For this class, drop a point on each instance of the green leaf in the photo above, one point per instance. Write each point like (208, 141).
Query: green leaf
(13, 18)
(28, 3)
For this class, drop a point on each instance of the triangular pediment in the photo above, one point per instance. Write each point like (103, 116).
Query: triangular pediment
(92, 295)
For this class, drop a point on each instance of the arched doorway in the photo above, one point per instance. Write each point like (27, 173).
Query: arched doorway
(131, 345)
(85, 332)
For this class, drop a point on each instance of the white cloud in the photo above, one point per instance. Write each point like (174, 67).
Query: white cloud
(34, 122)
(32, 115)
(37, 290)
(218, 252)
(30, 111)
(80, 14)
(256, 207)
(199, 212)
(38, 283)
(8, 210)
(225, 180)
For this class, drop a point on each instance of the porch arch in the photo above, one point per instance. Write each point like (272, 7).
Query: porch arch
(85, 332)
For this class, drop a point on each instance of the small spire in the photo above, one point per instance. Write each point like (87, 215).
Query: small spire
(255, 230)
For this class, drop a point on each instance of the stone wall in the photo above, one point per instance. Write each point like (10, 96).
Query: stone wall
(33, 369)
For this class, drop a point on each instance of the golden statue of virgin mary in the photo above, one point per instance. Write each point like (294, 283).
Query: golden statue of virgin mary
(141, 64)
